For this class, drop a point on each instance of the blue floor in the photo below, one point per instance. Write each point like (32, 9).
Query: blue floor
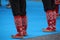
(36, 18)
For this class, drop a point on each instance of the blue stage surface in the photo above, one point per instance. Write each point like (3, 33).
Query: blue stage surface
(36, 19)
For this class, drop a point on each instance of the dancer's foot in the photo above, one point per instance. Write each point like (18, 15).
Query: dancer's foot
(49, 30)
(17, 36)
(8, 6)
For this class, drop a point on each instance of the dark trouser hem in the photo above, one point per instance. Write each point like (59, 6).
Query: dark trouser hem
(18, 7)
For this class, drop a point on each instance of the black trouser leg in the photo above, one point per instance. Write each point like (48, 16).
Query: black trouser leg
(23, 7)
(18, 7)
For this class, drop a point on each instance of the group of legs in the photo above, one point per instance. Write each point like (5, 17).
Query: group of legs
(19, 13)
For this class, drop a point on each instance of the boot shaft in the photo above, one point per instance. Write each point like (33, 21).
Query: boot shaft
(51, 18)
(21, 24)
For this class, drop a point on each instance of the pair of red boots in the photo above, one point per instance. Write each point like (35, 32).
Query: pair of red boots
(21, 26)
(51, 19)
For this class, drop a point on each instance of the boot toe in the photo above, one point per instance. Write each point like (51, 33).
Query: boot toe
(46, 30)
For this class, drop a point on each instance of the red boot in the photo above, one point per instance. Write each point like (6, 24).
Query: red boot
(51, 18)
(54, 20)
(57, 10)
(19, 27)
(24, 23)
